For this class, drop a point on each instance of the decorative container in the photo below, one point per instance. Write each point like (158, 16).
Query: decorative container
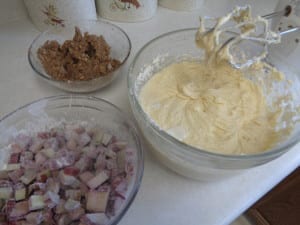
(52, 13)
(182, 5)
(126, 10)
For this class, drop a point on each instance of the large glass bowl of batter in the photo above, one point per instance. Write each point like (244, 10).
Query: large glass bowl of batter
(194, 162)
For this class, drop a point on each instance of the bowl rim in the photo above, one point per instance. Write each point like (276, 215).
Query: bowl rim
(75, 23)
(139, 148)
(134, 102)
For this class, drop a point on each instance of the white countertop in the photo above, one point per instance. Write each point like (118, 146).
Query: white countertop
(164, 198)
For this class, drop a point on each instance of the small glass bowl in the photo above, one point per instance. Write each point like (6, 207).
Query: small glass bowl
(116, 38)
(46, 112)
(182, 158)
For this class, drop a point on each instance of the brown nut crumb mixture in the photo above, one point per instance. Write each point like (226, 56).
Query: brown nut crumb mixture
(84, 58)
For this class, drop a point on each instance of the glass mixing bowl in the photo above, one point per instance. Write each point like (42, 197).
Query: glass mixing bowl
(52, 111)
(116, 38)
(180, 157)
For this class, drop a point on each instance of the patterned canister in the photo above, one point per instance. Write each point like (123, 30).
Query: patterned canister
(51, 13)
(182, 5)
(126, 10)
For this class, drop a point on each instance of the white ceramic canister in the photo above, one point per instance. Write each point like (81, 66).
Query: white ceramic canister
(126, 10)
(52, 13)
(181, 5)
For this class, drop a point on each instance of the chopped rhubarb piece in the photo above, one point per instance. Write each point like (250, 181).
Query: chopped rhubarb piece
(84, 163)
(72, 171)
(70, 133)
(40, 158)
(3, 218)
(5, 183)
(102, 149)
(72, 144)
(43, 176)
(26, 155)
(20, 192)
(28, 164)
(86, 176)
(2, 203)
(15, 175)
(3, 175)
(35, 217)
(29, 176)
(36, 145)
(63, 220)
(68, 180)
(15, 148)
(111, 164)
(60, 208)
(97, 201)
(36, 187)
(94, 219)
(71, 204)
(122, 188)
(13, 222)
(53, 185)
(36, 202)
(73, 194)
(116, 181)
(23, 141)
(48, 216)
(51, 143)
(61, 162)
(117, 203)
(119, 145)
(14, 158)
(51, 199)
(99, 179)
(83, 188)
(104, 188)
(97, 136)
(129, 169)
(20, 209)
(44, 135)
(77, 154)
(106, 139)
(48, 152)
(84, 139)
(121, 161)
(10, 204)
(100, 162)
(76, 213)
(79, 129)
(90, 151)
(12, 166)
(6, 192)
(110, 153)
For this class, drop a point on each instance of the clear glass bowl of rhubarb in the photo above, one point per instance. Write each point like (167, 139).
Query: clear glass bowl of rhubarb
(68, 160)
(80, 56)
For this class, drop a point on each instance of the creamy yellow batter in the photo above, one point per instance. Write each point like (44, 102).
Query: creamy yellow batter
(215, 109)
(210, 104)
